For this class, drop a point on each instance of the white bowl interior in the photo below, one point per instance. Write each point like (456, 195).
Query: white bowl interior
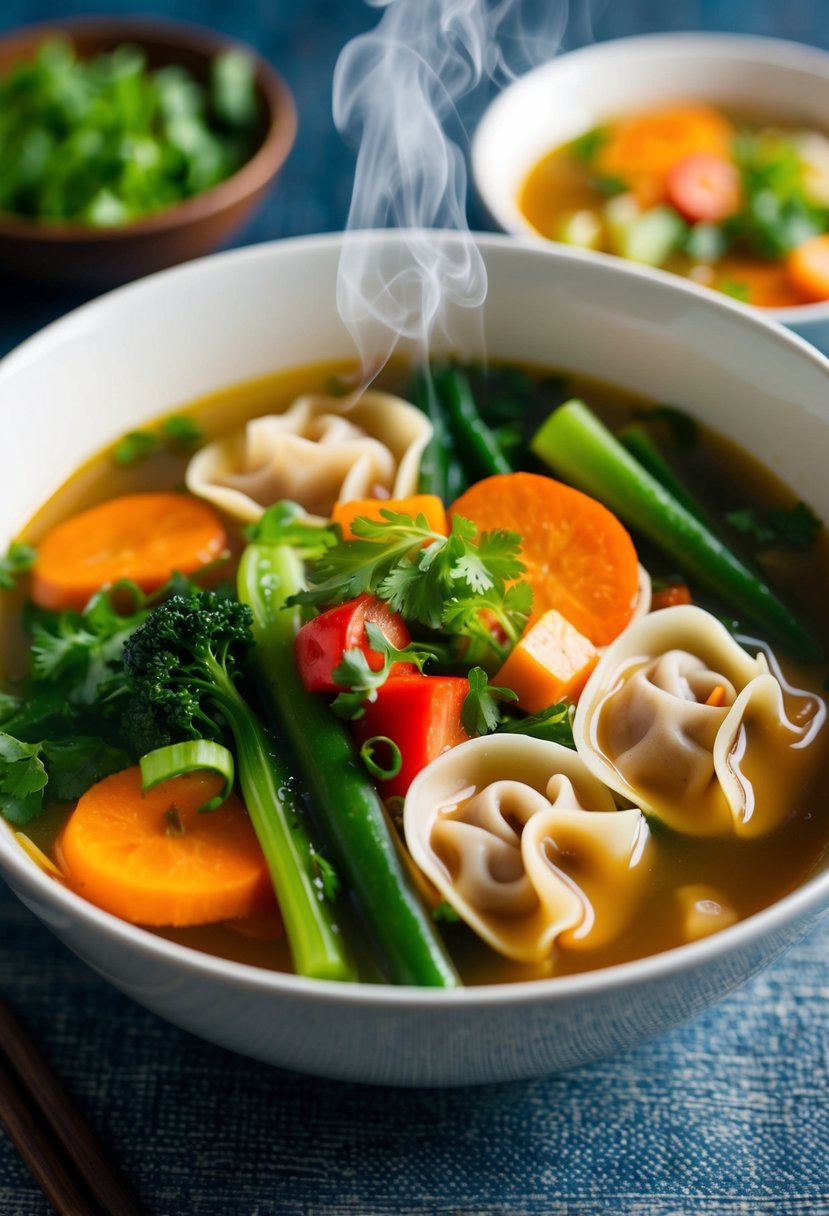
(567, 96)
(159, 343)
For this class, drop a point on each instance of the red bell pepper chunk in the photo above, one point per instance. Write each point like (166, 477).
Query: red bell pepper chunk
(422, 715)
(320, 644)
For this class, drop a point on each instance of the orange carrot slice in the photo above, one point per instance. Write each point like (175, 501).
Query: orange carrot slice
(142, 537)
(344, 513)
(579, 557)
(550, 663)
(643, 149)
(808, 269)
(153, 859)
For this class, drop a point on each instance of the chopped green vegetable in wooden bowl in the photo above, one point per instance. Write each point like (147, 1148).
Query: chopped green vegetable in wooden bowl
(126, 146)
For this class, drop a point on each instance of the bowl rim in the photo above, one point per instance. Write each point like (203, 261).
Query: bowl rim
(806, 902)
(277, 139)
(759, 49)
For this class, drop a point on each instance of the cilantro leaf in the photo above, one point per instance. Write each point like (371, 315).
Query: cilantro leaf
(73, 765)
(181, 430)
(362, 681)
(441, 582)
(19, 558)
(554, 724)
(23, 778)
(480, 713)
(794, 527)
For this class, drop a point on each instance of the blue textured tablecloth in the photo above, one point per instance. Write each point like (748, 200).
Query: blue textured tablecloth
(727, 1116)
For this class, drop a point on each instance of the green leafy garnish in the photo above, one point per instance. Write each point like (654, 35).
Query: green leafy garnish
(175, 432)
(69, 767)
(181, 430)
(361, 681)
(19, 558)
(134, 446)
(23, 778)
(794, 527)
(440, 582)
(586, 146)
(480, 713)
(104, 141)
(777, 212)
(554, 724)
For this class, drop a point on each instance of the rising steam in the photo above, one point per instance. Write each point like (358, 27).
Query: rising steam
(396, 92)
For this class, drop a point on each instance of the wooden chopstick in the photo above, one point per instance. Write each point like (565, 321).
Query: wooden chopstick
(58, 1146)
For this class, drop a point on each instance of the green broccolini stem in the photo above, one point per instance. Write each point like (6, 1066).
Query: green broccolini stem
(316, 944)
(350, 811)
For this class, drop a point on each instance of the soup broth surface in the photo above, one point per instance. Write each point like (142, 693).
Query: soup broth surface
(747, 874)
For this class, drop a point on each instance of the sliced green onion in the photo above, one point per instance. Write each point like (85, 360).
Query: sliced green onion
(395, 757)
(192, 756)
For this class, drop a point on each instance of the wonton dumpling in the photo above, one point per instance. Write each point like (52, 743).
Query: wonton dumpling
(321, 450)
(643, 726)
(526, 846)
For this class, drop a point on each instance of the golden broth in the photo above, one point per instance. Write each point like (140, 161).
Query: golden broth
(749, 874)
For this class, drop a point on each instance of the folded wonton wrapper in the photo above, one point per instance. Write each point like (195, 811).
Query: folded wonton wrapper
(321, 450)
(526, 846)
(643, 727)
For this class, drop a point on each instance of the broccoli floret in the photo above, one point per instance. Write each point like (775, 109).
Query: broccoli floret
(182, 665)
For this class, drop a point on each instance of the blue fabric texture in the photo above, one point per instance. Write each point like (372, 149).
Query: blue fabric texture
(726, 1116)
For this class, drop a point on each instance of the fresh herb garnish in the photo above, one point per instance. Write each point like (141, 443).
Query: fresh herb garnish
(454, 583)
(181, 430)
(106, 140)
(554, 724)
(794, 527)
(480, 713)
(585, 147)
(361, 681)
(19, 559)
(174, 432)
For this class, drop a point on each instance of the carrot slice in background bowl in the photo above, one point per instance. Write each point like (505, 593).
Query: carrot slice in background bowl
(641, 150)
(152, 858)
(142, 537)
(579, 558)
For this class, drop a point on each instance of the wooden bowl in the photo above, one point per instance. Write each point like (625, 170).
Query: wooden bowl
(103, 257)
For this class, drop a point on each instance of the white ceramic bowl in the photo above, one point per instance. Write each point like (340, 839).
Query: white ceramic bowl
(174, 336)
(567, 96)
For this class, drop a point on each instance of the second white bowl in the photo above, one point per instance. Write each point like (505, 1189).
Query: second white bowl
(567, 96)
